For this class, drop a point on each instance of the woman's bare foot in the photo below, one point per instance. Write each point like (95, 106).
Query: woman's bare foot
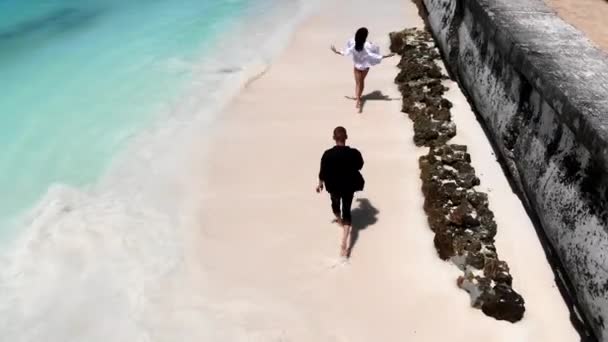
(358, 102)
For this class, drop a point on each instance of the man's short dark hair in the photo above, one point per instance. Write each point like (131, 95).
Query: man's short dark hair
(340, 134)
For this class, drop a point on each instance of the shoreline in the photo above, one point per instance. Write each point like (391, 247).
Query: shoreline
(123, 238)
(215, 79)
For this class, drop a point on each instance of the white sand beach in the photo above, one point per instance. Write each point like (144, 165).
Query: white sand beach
(266, 253)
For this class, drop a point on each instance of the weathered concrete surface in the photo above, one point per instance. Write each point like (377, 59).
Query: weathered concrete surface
(541, 89)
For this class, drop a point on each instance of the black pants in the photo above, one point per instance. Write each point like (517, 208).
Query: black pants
(347, 201)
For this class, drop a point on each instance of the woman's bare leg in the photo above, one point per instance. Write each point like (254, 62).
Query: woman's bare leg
(362, 76)
(360, 85)
(357, 74)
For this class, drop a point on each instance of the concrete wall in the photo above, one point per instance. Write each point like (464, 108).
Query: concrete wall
(541, 89)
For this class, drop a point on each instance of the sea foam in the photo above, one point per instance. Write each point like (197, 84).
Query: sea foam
(110, 261)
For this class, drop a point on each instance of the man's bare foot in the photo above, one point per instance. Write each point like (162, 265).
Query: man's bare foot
(345, 248)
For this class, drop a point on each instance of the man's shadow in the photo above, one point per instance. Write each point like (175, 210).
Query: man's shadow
(362, 217)
(375, 95)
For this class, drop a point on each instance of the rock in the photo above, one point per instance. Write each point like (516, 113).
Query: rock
(452, 154)
(460, 244)
(487, 229)
(475, 259)
(466, 174)
(448, 188)
(479, 288)
(444, 243)
(498, 271)
(445, 104)
(437, 220)
(435, 72)
(504, 304)
(500, 301)
(425, 131)
(459, 216)
(486, 216)
(473, 246)
(457, 196)
(397, 41)
(428, 132)
(434, 193)
(479, 200)
(448, 130)
(489, 250)
(441, 114)
(464, 215)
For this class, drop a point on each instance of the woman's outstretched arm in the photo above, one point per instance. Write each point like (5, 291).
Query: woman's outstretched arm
(333, 48)
(375, 49)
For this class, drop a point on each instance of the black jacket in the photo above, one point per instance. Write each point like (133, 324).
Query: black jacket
(340, 167)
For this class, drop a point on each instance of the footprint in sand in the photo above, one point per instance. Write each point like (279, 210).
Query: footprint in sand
(331, 263)
(324, 265)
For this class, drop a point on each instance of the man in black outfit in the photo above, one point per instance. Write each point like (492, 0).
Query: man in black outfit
(340, 174)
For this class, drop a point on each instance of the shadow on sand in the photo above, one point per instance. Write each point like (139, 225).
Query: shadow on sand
(375, 95)
(363, 216)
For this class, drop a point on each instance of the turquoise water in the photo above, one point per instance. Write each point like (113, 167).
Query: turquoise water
(80, 77)
(98, 101)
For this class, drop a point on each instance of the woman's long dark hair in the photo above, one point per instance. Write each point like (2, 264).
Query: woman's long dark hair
(360, 38)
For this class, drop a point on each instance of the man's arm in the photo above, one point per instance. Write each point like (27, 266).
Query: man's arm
(358, 160)
(322, 173)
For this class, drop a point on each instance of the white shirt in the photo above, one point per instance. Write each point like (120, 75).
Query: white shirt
(364, 59)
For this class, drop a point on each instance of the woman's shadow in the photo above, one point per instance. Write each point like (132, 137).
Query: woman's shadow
(375, 95)
(362, 217)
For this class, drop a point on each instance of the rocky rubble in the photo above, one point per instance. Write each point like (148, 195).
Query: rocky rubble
(420, 83)
(458, 214)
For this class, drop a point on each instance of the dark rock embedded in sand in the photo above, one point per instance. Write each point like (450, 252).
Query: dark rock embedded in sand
(504, 304)
(459, 215)
(420, 83)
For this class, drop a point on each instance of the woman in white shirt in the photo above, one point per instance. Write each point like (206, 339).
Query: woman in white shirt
(365, 55)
